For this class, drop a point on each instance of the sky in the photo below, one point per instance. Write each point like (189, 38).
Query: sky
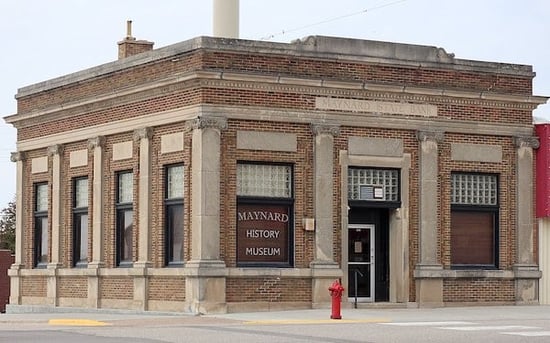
(44, 39)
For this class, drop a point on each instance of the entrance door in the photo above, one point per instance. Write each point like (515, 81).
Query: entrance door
(361, 262)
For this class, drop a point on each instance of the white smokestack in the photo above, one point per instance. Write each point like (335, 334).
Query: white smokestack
(226, 18)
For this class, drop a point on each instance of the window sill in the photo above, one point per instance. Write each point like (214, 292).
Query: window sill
(464, 274)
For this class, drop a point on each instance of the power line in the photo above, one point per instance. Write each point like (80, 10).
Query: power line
(283, 32)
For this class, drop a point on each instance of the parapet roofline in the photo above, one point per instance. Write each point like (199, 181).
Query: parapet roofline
(313, 46)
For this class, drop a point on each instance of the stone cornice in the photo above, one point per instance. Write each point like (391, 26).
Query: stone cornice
(275, 115)
(313, 87)
(312, 47)
(526, 142)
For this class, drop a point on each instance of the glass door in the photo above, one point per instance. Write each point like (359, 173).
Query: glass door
(361, 262)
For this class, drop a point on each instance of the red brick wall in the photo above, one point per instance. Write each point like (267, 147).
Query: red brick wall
(166, 288)
(115, 287)
(269, 289)
(34, 286)
(478, 290)
(301, 160)
(72, 287)
(6, 260)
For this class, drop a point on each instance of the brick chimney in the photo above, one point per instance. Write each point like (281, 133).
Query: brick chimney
(129, 46)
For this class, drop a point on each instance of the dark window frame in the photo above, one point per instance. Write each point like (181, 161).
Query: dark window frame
(493, 210)
(171, 204)
(39, 216)
(121, 208)
(78, 213)
(271, 201)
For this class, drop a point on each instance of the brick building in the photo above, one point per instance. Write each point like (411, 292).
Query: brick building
(220, 175)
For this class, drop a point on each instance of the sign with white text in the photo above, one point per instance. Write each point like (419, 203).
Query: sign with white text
(262, 233)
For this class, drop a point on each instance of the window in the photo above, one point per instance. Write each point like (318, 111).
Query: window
(173, 209)
(40, 224)
(474, 220)
(124, 218)
(370, 184)
(80, 221)
(264, 215)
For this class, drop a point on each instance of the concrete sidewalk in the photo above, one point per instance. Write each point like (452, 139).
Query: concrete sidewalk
(399, 314)
(113, 317)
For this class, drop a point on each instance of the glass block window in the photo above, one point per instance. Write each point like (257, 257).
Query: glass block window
(81, 193)
(41, 197)
(474, 189)
(264, 180)
(174, 179)
(125, 187)
(363, 181)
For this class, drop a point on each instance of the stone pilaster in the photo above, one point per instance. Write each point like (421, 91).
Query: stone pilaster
(95, 146)
(429, 288)
(55, 152)
(15, 270)
(143, 137)
(324, 269)
(205, 287)
(526, 270)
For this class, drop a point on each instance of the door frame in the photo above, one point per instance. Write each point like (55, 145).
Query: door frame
(398, 220)
(372, 261)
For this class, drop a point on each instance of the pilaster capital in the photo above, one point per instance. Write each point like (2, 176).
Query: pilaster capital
(202, 122)
(96, 142)
(328, 129)
(17, 156)
(143, 133)
(526, 142)
(56, 149)
(434, 136)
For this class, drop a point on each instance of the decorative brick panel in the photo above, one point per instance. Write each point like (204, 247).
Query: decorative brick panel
(269, 289)
(166, 288)
(72, 287)
(482, 290)
(120, 288)
(33, 286)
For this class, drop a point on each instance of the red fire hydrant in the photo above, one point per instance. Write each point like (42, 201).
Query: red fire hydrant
(336, 290)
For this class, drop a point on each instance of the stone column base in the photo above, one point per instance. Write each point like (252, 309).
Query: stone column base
(429, 292)
(527, 284)
(15, 282)
(429, 285)
(205, 287)
(323, 275)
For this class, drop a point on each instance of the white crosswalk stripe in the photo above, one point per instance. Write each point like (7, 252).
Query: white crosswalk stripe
(489, 328)
(512, 330)
(428, 323)
(528, 333)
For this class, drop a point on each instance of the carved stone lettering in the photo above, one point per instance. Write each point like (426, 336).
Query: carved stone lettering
(353, 105)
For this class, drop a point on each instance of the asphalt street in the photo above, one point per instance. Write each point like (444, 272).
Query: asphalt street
(501, 324)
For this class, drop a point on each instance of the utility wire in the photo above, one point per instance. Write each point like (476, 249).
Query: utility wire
(283, 32)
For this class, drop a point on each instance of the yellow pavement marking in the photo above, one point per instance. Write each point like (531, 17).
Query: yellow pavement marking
(76, 322)
(315, 321)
